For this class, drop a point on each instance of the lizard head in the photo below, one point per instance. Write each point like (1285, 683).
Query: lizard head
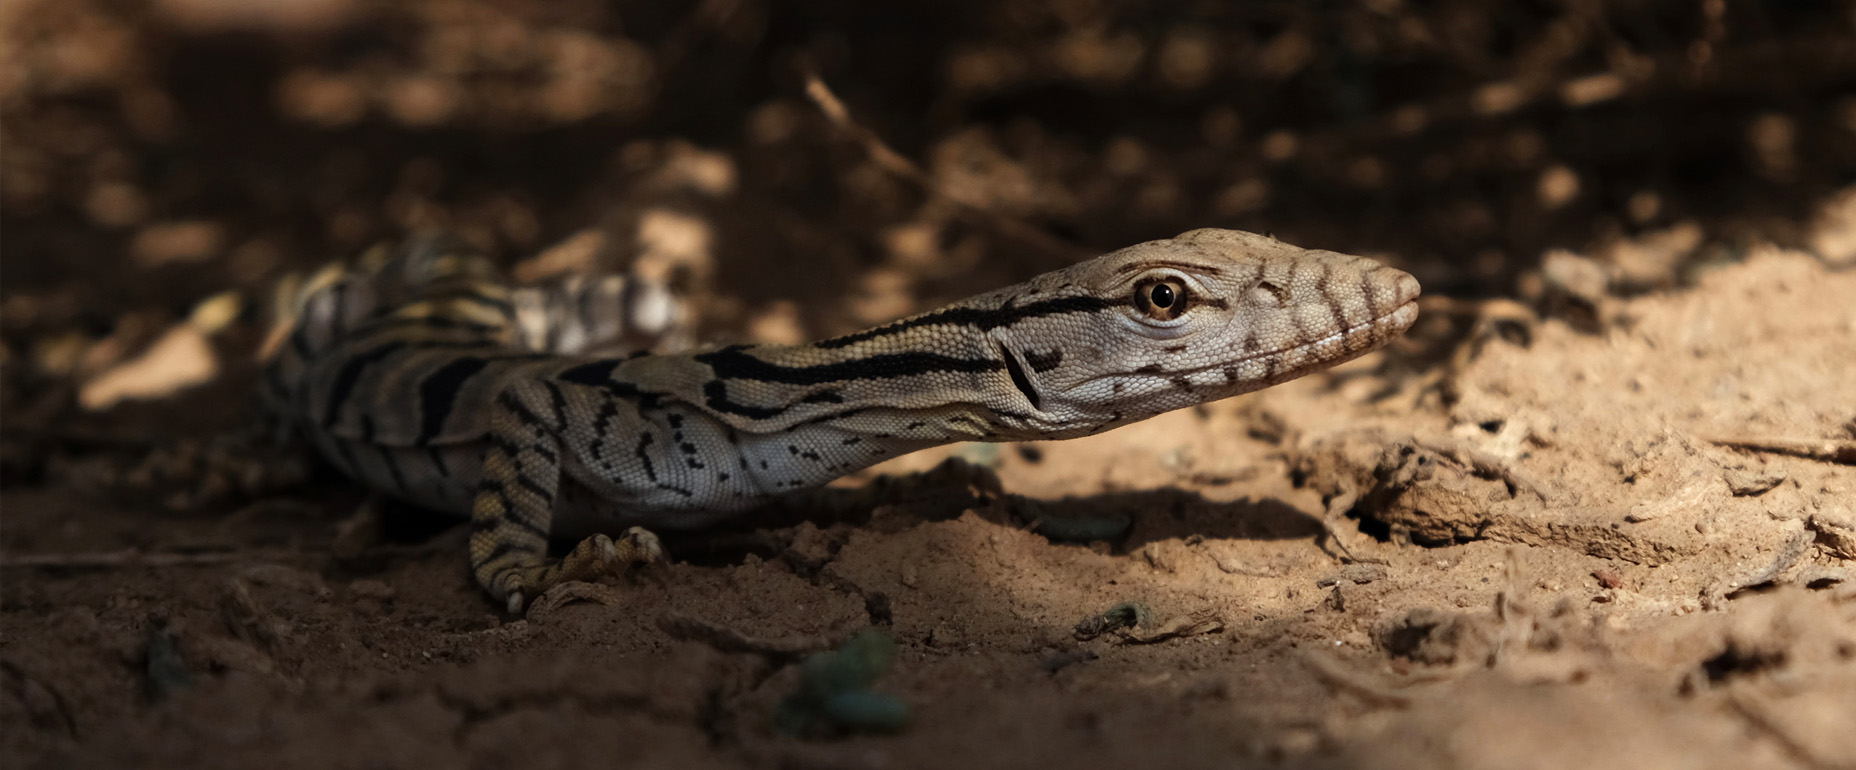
(1196, 318)
(1128, 335)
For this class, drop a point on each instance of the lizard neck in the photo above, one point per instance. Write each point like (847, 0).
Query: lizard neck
(799, 416)
(952, 387)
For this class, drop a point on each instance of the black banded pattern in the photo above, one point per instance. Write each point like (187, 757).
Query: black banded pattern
(979, 319)
(424, 381)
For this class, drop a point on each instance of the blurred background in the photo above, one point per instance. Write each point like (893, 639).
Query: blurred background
(802, 168)
(156, 152)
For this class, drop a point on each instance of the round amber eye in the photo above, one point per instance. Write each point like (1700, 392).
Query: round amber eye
(1162, 299)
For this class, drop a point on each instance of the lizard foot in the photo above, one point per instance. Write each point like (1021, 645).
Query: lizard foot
(593, 558)
(601, 555)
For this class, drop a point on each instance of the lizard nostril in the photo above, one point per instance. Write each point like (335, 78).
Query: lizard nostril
(1408, 287)
(1266, 293)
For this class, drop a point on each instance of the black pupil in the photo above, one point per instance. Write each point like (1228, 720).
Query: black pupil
(1162, 296)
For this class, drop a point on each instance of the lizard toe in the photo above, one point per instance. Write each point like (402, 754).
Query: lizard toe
(608, 552)
(639, 546)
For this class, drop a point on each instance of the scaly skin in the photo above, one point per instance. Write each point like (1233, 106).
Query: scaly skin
(414, 381)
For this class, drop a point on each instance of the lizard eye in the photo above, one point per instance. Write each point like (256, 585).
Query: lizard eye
(1162, 299)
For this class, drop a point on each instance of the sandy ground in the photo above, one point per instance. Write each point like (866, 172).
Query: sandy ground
(1635, 593)
(1596, 509)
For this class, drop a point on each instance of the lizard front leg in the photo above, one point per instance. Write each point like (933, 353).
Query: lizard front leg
(514, 508)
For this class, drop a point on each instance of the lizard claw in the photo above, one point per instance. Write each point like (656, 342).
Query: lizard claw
(600, 555)
(639, 546)
(594, 558)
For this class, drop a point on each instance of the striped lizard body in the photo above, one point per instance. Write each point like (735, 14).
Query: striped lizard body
(418, 381)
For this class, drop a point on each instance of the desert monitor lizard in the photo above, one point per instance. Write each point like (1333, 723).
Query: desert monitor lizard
(417, 380)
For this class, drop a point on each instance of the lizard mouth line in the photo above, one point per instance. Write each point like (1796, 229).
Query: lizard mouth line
(1398, 319)
(1407, 313)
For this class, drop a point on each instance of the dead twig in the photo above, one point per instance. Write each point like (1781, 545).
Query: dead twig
(1195, 624)
(1794, 549)
(1758, 713)
(1825, 450)
(895, 163)
(1333, 674)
